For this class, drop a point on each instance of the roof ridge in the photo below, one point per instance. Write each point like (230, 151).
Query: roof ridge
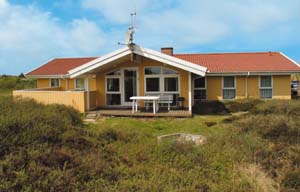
(228, 53)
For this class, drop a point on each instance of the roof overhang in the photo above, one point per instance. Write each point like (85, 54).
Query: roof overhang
(134, 49)
(47, 76)
(253, 73)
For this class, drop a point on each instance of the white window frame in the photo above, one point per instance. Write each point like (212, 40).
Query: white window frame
(84, 84)
(161, 78)
(50, 85)
(228, 88)
(200, 88)
(113, 92)
(260, 87)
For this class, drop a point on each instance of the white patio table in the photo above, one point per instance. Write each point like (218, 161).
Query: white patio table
(135, 100)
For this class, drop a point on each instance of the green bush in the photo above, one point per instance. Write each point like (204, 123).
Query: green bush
(242, 105)
(210, 108)
(277, 123)
(10, 83)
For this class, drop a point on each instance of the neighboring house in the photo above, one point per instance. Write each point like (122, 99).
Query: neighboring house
(110, 80)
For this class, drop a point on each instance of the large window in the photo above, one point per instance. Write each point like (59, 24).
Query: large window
(113, 88)
(161, 80)
(54, 82)
(79, 84)
(229, 87)
(199, 88)
(266, 87)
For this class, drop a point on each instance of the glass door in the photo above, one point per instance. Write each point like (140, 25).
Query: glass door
(130, 85)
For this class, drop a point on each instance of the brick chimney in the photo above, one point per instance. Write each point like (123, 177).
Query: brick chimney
(167, 50)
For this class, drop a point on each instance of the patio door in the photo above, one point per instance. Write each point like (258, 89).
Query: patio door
(130, 85)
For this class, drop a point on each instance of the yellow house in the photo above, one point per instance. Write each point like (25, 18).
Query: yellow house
(110, 81)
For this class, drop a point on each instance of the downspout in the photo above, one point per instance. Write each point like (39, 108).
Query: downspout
(248, 74)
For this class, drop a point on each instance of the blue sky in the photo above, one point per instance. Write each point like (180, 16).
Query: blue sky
(33, 32)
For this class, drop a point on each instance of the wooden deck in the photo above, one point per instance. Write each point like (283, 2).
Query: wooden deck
(141, 113)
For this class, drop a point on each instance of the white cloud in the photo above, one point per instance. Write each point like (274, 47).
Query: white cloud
(29, 37)
(197, 22)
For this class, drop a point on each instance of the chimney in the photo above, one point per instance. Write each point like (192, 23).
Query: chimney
(167, 50)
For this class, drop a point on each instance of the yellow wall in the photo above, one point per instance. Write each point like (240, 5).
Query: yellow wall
(75, 99)
(214, 88)
(65, 84)
(42, 83)
(281, 87)
(100, 82)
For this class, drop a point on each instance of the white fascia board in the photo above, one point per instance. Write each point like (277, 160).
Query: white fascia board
(298, 65)
(254, 73)
(62, 76)
(99, 62)
(173, 61)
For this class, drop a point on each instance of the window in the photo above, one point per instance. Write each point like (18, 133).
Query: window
(152, 84)
(229, 87)
(169, 71)
(171, 84)
(114, 73)
(200, 88)
(152, 70)
(113, 85)
(113, 88)
(79, 84)
(266, 87)
(161, 80)
(54, 83)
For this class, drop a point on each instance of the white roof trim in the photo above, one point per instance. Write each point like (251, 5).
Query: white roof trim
(290, 59)
(155, 55)
(62, 76)
(99, 62)
(173, 61)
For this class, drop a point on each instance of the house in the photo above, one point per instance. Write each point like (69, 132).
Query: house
(110, 80)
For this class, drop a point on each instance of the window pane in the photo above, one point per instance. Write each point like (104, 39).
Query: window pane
(113, 84)
(265, 81)
(79, 84)
(200, 94)
(199, 82)
(228, 93)
(228, 82)
(171, 84)
(169, 71)
(54, 83)
(113, 99)
(152, 70)
(117, 72)
(152, 84)
(266, 93)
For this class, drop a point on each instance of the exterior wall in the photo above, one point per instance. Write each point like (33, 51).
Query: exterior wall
(65, 84)
(76, 99)
(253, 87)
(281, 87)
(100, 79)
(214, 88)
(42, 83)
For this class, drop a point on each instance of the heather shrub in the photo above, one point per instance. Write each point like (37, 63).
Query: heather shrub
(242, 105)
(210, 108)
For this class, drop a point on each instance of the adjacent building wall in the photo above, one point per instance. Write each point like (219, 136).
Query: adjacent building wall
(65, 84)
(281, 87)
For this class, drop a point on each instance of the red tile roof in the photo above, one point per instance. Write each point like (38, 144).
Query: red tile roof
(241, 62)
(60, 66)
(215, 63)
